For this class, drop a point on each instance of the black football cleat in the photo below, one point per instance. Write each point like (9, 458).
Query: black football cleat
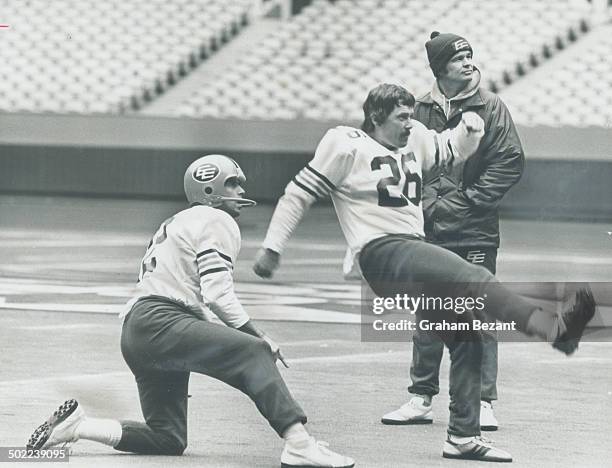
(576, 319)
(60, 428)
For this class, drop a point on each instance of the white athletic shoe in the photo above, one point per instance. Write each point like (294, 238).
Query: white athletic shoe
(476, 448)
(311, 454)
(488, 421)
(60, 428)
(413, 412)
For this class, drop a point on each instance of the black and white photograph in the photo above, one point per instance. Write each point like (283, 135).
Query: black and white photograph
(306, 233)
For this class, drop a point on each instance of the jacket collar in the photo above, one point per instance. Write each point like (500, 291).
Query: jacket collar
(470, 96)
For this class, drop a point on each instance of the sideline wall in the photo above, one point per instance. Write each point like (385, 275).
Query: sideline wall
(568, 173)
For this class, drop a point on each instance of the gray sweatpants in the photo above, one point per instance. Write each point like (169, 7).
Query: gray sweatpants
(162, 341)
(427, 348)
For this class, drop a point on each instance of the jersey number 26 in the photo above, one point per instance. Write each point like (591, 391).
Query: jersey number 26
(386, 198)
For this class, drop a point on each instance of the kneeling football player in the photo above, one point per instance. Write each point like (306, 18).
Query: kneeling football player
(185, 276)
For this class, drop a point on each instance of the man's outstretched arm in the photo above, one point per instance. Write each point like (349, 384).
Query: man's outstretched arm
(289, 211)
(331, 163)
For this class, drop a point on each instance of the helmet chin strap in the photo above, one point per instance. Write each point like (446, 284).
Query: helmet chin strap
(240, 201)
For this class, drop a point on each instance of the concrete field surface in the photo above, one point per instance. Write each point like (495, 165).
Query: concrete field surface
(68, 266)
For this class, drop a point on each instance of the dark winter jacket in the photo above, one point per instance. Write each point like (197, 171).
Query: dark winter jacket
(461, 203)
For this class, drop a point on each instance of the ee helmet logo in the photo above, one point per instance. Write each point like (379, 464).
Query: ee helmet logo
(206, 172)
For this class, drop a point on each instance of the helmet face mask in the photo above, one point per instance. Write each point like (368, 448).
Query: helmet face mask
(205, 181)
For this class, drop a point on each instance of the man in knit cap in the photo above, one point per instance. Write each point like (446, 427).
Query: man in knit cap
(460, 204)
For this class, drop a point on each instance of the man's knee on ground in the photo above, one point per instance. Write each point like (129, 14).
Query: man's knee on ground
(145, 439)
(171, 445)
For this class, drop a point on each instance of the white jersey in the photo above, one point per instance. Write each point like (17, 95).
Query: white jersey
(191, 259)
(375, 190)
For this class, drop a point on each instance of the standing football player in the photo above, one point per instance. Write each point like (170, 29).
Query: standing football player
(373, 175)
(461, 208)
(187, 274)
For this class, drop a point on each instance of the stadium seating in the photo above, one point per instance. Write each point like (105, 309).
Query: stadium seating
(82, 56)
(320, 64)
(574, 90)
(86, 56)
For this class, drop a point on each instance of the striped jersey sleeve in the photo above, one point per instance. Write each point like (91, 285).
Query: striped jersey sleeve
(217, 250)
(328, 168)
(313, 182)
(213, 261)
(326, 171)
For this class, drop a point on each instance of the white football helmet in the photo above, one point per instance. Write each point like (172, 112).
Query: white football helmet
(205, 179)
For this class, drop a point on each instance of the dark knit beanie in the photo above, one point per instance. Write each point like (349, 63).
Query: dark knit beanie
(441, 47)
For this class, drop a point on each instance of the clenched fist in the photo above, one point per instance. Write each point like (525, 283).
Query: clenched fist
(266, 262)
(472, 121)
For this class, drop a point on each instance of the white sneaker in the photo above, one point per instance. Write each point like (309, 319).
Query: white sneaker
(488, 422)
(475, 448)
(311, 453)
(413, 412)
(60, 428)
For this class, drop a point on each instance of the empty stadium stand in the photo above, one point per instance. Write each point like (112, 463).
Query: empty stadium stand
(320, 64)
(574, 89)
(547, 59)
(87, 56)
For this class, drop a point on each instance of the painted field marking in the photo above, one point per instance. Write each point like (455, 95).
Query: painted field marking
(65, 326)
(363, 357)
(577, 360)
(270, 312)
(508, 257)
(104, 242)
(59, 307)
(554, 258)
(64, 378)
